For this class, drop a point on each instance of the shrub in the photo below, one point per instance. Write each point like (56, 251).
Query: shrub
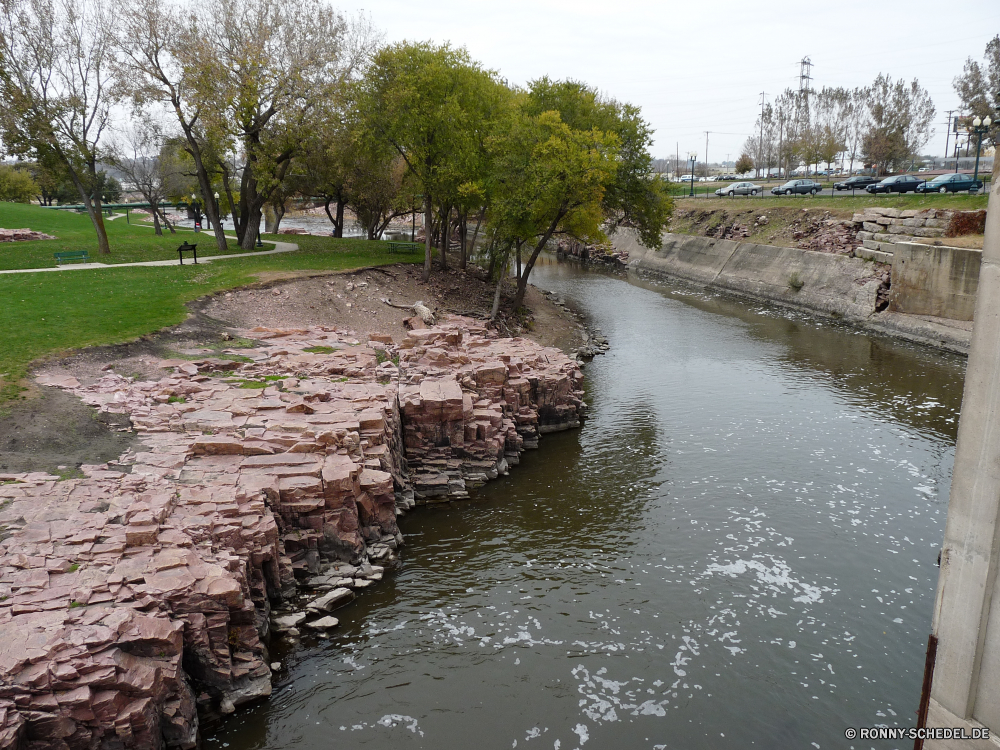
(966, 222)
(16, 185)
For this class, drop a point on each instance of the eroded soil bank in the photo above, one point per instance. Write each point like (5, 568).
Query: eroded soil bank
(258, 493)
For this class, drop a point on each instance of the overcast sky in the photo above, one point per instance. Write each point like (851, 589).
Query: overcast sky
(697, 66)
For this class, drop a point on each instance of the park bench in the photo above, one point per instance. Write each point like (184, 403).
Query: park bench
(72, 255)
(404, 247)
(188, 248)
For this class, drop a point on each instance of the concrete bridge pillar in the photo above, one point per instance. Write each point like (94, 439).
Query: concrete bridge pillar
(966, 687)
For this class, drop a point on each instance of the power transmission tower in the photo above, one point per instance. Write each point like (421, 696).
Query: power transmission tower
(805, 70)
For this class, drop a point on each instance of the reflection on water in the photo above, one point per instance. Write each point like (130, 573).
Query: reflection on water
(736, 550)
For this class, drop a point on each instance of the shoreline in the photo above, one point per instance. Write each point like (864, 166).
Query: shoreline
(829, 286)
(262, 495)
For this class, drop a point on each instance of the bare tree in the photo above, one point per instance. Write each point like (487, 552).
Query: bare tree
(978, 88)
(57, 88)
(151, 34)
(260, 68)
(136, 154)
(858, 123)
(901, 118)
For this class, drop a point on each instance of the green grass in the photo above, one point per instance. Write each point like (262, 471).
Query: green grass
(47, 313)
(319, 349)
(130, 243)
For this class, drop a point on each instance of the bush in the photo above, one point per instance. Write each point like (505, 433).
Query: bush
(16, 185)
(966, 222)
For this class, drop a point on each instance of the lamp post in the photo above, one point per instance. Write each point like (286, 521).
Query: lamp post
(196, 208)
(693, 155)
(980, 128)
(218, 215)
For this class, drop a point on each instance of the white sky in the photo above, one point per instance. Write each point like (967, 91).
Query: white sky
(696, 66)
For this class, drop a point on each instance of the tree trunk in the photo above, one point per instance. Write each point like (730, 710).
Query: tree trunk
(522, 282)
(519, 259)
(272, 217)
(339, 229)
(205, 183)
(445, 238)
(496, 294)
(157, 229)
(250, 231)
(427, 237)
(463, 230)
(475, 234)
(93, 205)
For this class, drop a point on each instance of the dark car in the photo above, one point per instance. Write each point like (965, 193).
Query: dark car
(800, 187)
(902, 183)
(857, 182)
(951, 183)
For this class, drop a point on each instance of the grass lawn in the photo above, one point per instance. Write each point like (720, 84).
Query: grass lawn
(130, 243)
(47, 313)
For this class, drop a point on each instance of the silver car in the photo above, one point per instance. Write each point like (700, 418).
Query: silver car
(739, 188)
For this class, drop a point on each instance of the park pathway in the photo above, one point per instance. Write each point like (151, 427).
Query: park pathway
(279, 247)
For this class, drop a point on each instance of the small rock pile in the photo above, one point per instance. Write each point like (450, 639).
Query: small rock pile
(829, 235)
(137, 597)
(22, 235)
(605, 253)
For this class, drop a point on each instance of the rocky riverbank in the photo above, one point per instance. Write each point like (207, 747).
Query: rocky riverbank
(263, 494)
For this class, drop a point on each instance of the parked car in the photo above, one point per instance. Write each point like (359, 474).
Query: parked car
(855, 183)
(902, 183)
(800, 187)
(739, 188)
(951, 183)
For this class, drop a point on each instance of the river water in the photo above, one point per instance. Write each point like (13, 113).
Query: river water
(737, 550)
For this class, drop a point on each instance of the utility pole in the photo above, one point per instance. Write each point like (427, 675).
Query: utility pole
(677, 160)
(760, 141)
(947, 132)
(706, 153)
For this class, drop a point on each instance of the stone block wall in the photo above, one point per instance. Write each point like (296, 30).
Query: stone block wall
(879, 229)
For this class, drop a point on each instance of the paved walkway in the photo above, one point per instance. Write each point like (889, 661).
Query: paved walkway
(279, 247)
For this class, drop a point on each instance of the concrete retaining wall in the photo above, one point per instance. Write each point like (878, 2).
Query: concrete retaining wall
(833, 284)
(938, 281)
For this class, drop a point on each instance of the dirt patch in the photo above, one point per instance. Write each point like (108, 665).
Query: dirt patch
(57, 432)
(53, 429)
(824, 230)
(971, 241)
(354, 301)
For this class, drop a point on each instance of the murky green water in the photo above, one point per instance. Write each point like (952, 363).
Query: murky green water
(737, 550)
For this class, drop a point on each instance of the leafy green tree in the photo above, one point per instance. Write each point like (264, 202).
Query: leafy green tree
(546, 178)
(16, 185)
(744, 164)
(424, 101)
(594, 149)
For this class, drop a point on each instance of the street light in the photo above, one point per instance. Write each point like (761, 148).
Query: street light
(196, 208)
(692, 155)
(980, 128)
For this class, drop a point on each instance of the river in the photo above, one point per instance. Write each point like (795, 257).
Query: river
(737, 550)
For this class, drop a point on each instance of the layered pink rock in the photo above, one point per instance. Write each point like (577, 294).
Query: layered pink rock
(136, 596)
